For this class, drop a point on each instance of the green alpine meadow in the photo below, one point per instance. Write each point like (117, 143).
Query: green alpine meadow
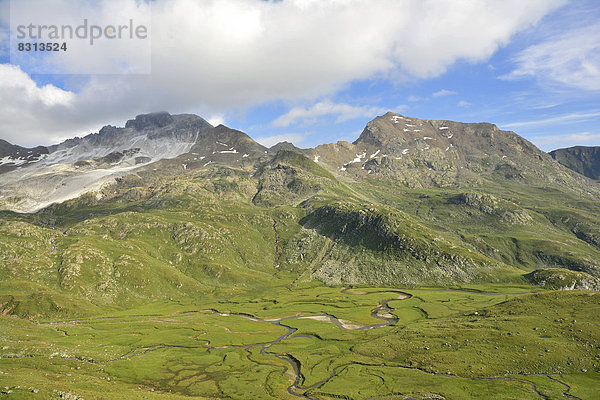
(174, 259)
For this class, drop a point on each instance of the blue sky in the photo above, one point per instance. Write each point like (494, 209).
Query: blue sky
(316, 72)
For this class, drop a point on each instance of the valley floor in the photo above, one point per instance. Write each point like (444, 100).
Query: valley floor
(317, 342)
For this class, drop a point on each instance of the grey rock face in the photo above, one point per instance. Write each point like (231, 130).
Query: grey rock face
(33, 178)
(585, 160)
(152, 120)
(79, 165)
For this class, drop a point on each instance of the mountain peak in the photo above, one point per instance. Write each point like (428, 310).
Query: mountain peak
(442, 153)
(151, 120)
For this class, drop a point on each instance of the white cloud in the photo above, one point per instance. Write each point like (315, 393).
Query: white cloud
(215, 56)
(551, 142)
(442, 93)
(343, 112)
(464, 103)
(269, 141)
(126, 55)
(414, 99)
(571, 59)
(544, 105)
(560, 119)
(216, 120)
(30, 112)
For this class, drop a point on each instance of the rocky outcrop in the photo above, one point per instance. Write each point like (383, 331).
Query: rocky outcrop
(563, 279)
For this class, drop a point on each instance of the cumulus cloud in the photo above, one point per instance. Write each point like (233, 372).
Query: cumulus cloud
(33, 114)
(30, 111)
(343, 112)
(215, 56)
(442, 93)
(269, 141)
(570, 59)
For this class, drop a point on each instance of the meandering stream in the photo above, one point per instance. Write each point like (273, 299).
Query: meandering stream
(381, 311)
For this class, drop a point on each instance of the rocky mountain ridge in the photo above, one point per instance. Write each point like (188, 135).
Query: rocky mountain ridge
(35, 178)
(412, 152)
(585, 160)
(430, 153)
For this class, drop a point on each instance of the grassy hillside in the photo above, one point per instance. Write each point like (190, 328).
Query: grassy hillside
(159, 235)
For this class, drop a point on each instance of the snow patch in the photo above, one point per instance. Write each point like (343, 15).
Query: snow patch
(375, 154)
(358, 158)
(395, 118)
(317, 158)
(15, 161)
(230, 151)
(443, 127)
(245, 155)
(427, 138)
